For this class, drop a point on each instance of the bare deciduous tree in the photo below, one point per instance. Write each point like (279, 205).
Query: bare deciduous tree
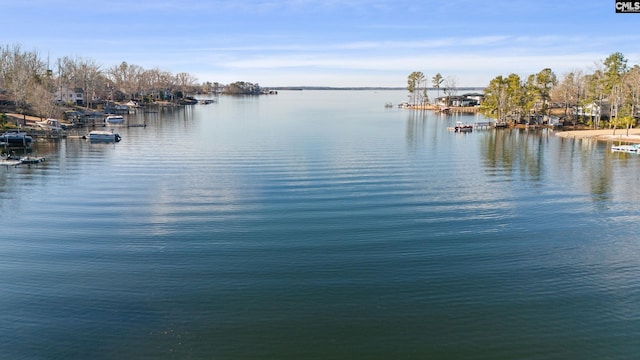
(450, 88)
(184, 81)
(22, 71)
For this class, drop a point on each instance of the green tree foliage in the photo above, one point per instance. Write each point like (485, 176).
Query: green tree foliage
(512, 99)
(520, 97)
(242, 88)
(436, 81)
(623, 120)
(504, 98)
(632, 88)
(413, 84)
(615, 66)
(544, 81)
(412, 81)
(595, 94)
(614, 85)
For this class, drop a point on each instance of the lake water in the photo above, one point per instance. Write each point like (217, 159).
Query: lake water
(320, 225)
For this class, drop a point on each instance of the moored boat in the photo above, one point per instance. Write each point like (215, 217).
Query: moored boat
(15, 160)
(15, 138)
(31, 159)
(114, 120)
(50, 124)
(9, 162)
(103, 136)
(461, 127)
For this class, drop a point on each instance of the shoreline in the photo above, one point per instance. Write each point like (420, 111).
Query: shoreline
(603, 135)
(599, 135)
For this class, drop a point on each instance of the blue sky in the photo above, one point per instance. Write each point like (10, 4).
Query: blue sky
(327, 42)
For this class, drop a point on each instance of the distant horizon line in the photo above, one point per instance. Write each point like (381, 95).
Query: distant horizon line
(362, 88)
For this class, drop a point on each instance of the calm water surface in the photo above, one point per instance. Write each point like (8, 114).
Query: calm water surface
(320, 225)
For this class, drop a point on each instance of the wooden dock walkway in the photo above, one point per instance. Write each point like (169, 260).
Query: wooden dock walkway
(449, 109)
(464, 109)
(484, 125)
(47, 134)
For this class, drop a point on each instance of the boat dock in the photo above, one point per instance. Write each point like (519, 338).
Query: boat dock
(484, 125)
(443, 109)
(464, 109)
(47, 134)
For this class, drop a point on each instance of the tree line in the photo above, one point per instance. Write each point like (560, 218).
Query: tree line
(418, 84)
(612, 92)
(29, 83)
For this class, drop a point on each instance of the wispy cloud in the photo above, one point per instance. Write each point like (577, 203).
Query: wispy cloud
(337, 40)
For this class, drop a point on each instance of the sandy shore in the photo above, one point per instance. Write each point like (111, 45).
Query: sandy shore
(23, 119)
(604, 135)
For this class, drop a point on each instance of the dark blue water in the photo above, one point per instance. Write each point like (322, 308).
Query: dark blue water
(320, 225)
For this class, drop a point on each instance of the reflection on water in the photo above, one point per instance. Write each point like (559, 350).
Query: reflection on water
(320, 225)
(515, 150)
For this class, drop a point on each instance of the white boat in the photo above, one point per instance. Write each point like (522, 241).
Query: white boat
(635, 148)
(461, 127)
(103, 136)
(31, 159)
(14, 160)
(10, 162)
(114, 120)
(50, 124)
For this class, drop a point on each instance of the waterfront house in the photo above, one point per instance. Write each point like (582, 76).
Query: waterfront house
(460, 100)
(593, 110)
(66, 95)
(475, 98)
